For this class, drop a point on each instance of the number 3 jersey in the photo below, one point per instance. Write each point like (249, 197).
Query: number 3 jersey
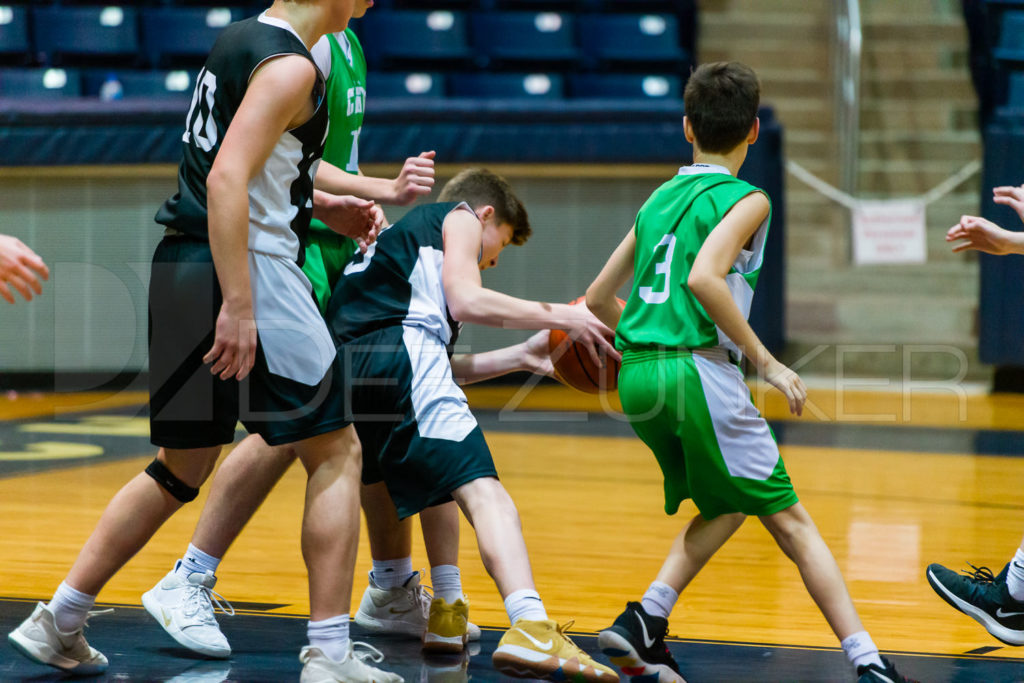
(671, 228)
(281, 194)
(292, 333)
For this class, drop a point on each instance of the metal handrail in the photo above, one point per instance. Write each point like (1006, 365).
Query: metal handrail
(847, 49)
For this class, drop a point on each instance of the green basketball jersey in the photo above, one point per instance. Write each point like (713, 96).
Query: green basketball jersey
(346, 99)
(671, 227)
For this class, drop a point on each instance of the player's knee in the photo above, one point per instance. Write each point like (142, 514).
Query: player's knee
(178, 489)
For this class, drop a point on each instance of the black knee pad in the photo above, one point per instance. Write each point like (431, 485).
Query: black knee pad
(176, 487)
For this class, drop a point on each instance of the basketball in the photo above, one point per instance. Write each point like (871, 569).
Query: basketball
(574, 366)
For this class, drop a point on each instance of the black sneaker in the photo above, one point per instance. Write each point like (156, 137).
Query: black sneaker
(636, 644)
(872, 673)
(983, 597)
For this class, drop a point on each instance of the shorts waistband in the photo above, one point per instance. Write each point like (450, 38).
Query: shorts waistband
(663, 353)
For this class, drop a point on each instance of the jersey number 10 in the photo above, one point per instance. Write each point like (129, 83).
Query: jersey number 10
(199, 124)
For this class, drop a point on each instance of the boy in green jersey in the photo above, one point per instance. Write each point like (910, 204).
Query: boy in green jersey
(695, 253)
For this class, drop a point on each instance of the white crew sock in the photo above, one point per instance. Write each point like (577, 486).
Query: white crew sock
(391, 573)
(525, 604)
(1015, 576)
(330, 636)
(70, 608)
(195, 561)
(446, 580)
(861, 650)
(659, 599)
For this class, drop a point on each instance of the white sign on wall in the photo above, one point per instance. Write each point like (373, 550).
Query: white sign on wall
(889, 232)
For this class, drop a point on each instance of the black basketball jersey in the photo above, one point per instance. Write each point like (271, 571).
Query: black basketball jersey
(280, 196)
(397, 281)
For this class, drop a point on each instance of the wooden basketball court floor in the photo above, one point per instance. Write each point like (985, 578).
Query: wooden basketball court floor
(894, 482)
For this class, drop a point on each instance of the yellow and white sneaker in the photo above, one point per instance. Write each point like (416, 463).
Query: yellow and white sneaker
(540, 649)
(447, 626)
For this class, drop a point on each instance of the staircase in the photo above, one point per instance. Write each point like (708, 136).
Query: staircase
(918, 127)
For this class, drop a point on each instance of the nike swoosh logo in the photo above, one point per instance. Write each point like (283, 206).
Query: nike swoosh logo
(648, 641)
(167, 619)
(399, 611)
(1001, 614)
(543, 646)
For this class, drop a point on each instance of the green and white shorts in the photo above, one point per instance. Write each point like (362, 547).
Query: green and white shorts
(695, 412)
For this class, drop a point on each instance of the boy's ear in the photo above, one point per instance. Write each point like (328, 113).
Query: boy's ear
(755, 130)
(485, 213)
(688, 130)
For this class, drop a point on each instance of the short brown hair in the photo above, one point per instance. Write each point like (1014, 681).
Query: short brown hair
(479, 187)
(721, 100)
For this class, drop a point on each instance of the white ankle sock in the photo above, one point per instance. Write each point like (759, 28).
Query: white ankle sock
(1015, 576)
(70, 608)
(861, 650)
(525, 604)
(195, 561)
(659, 599)
(330, 636)
(391, 573)
(446, 580)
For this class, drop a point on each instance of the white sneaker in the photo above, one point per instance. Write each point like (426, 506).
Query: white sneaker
(184, 609)
(319, 668)
(38, 639)
(400, 611)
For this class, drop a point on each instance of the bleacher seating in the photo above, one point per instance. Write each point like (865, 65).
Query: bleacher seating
(405, 84)
(48, 83)
(523, 49)
(14, 36)
(625, 86)
(630, 39)
(183, 36)
(122, 83)
(91, 34)
(508, 86)
(525, 37)
(1011, 37)
(415, 38)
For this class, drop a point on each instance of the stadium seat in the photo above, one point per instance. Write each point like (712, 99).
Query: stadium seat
(86, 34)
(52, 82)
(631, 39)
(132, 83)
(625, 86)
(417, 39)
(14, 38)
(404, 84)
(1011, 37)
(176, 36)
(507, 86)
(525, 37)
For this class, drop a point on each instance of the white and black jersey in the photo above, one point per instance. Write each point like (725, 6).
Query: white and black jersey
(292, 333)
(281, 195)
(398, 281)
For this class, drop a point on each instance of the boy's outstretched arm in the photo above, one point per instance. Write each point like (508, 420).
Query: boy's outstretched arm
(528, 356)
(707, 282)
(601, 299)
(984, 235)
(469, 301)
(415, 180)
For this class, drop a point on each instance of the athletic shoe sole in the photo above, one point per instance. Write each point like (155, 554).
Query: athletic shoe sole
(48, 657)
(997, 630)
(623, 655)
(442, 645)
(156, 611)
(521, 662)
(385, 628)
